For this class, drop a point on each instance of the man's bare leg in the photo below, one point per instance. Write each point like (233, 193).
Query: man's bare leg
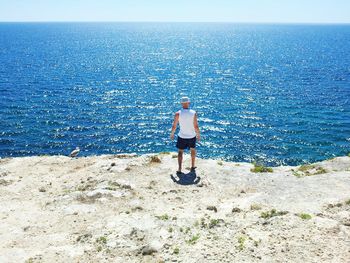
(193, 157)
(179, 159)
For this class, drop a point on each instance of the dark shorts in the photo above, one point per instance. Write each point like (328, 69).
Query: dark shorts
(183, 144)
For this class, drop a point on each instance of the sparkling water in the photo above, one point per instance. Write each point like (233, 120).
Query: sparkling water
(278, 94)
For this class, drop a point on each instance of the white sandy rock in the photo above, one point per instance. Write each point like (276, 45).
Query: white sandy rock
(127, 208)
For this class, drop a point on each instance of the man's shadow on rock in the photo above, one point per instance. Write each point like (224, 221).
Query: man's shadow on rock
(186, 179)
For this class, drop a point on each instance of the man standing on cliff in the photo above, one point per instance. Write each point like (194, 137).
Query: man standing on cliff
(189, 132)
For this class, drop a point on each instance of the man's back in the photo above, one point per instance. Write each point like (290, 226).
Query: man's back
(186, 121)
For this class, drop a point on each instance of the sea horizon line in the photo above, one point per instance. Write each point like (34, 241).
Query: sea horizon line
(178, 22)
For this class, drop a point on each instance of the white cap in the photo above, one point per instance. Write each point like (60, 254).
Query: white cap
(185, 99)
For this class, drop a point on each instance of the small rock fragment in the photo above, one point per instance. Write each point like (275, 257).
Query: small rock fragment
(42, 189)
(148, 250)
(236, 210)
(212, 208)
(154, 159)
(4, 182)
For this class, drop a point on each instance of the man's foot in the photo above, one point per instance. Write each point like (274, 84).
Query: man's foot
(178, 172)
(193, 169)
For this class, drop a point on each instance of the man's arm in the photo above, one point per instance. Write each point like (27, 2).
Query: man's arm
(196, 128)
(176, 120)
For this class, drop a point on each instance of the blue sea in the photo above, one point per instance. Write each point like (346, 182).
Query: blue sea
(276, 94)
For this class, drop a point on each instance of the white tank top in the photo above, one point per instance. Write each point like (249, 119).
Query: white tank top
(186, 117)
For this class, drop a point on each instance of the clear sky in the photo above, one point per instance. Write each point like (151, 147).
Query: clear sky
(265, 11)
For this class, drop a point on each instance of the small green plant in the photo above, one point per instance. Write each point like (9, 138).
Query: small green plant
(83, 188)
(259, 168)
(215, 237)
(305, 216)
(255, 207)
(272, 213)
(188, 229)
(220, 162)
(67, 191)
(193, 239)
(101, 240)
(320, 170)
(114, 185)
(347, 202)
(163, 217)
(176, 251)
(111, 188)
(306, 167)
(241, 240)
(305, 170)
(256, 242)
(213, 223)
(170, 229)
(297, 173)
(181, 229)
(348, 154)
(84, 238)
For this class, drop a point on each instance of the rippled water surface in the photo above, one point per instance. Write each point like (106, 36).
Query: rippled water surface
(279, 94)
